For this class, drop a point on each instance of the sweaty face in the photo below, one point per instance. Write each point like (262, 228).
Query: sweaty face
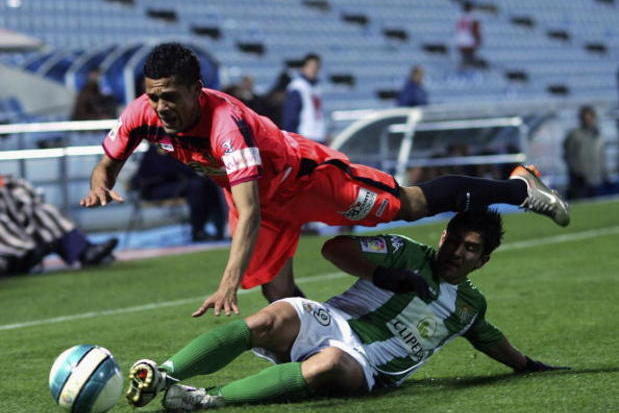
(459, 254)
(176, 103)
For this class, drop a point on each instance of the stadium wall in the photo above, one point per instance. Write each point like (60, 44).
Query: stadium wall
(36, 94)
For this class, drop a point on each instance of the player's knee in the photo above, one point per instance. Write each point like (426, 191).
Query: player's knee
(333, 369)
(274, 327)
(262, 324)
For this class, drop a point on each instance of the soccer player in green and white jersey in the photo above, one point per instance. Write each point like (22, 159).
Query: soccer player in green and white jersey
(410, 300)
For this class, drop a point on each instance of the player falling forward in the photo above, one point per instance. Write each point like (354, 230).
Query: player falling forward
(410, 300)
(276, 181)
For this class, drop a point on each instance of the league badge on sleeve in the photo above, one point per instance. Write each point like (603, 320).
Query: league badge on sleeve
(376, 245)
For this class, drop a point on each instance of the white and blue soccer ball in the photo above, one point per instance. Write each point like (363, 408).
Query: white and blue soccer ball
(86, 379)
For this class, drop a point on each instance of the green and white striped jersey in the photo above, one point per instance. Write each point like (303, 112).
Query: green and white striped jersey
(400, 332)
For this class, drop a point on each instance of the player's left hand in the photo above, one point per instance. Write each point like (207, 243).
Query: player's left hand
(401, 282)
(223, 299)
(534, 366)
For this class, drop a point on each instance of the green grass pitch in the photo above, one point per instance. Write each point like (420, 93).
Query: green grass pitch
(553, 291)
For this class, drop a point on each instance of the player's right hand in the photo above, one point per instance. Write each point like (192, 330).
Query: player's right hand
(100, 197)
(224, 299)
(535, 366)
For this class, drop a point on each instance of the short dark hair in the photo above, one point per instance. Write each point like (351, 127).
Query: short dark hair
(172, 59)
(487, 222)
(310, 56)
(586, 109)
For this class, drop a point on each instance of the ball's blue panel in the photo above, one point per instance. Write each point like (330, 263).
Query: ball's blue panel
(108, 398)
(65, 369)
(94, 386)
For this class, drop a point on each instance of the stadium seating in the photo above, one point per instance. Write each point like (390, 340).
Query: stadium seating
(559, 46)
(536, 50)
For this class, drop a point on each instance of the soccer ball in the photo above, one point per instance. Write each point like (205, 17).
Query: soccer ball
(85, 379)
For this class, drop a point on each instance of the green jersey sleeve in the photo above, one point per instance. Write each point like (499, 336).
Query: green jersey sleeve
(395, 251)
(482, 333)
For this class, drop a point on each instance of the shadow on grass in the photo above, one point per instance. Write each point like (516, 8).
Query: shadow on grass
(461, 382)
(431, 383)
(314, 403)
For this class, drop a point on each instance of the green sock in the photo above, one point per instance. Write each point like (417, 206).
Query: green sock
(271, 383)
(210, 351)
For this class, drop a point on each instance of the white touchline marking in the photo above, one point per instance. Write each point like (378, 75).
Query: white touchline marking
(151, 306)
(557, 239)
(575, 236)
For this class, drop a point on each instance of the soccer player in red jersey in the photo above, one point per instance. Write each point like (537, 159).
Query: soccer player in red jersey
(276, 181)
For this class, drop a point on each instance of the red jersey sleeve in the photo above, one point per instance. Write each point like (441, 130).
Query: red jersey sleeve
(120, 142)
(235, 144)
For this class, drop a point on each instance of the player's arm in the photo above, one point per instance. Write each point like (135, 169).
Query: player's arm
(502, 351)
(102, 181)
(347, 255)
(247, 201)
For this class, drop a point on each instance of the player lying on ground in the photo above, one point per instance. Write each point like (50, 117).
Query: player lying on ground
(410, 301)
(275, 181)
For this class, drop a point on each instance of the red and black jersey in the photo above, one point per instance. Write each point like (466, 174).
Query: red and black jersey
(230, 143)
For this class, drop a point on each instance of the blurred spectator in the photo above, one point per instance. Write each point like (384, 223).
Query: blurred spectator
(161, 177)
(303, 111)
(244, 91)
(269, 104)
(460, 150)
(506, 168)
(92, 103)
(416, 174)
(413, 93)
(30, 229)
(468, 37)
(584, 156)
(419, 174)
(274, 99)
(443, 165)
(488, 170)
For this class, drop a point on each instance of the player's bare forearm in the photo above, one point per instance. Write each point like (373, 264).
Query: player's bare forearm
(105, 172)
(102, 181)
(247, 202)
(344, 252)
(242, 246)
(505, 353)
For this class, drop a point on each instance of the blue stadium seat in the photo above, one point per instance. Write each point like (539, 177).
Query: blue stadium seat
(288, 31)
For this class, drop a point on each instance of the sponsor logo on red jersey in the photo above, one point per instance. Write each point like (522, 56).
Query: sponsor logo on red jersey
(362, 206)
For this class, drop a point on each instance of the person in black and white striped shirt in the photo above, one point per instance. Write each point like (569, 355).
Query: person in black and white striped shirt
(30, 229)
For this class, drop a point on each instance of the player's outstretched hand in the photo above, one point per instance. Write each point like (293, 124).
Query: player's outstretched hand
(223, 299)
(534, 366)
(100, 197)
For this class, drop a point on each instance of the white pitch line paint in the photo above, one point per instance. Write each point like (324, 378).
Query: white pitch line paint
(575, 236)
(152, 306)
(557, 239)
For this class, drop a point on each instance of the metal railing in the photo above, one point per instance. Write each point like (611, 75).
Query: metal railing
(406, 123)
(392, 143)
(62, 154)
